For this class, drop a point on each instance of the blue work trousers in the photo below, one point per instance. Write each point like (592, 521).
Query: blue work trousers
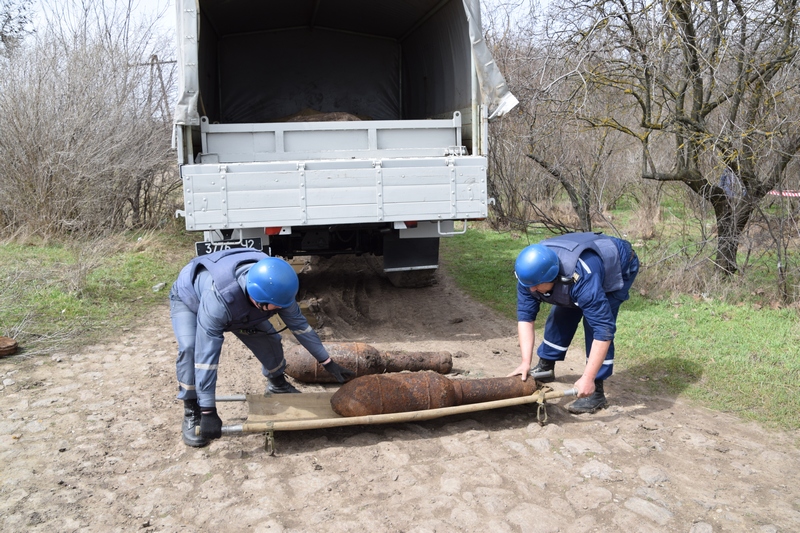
(562, 323)
(200, 373)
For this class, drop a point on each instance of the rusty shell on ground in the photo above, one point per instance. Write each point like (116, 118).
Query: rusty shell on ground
(362, 359)
(393, 393)
(8, 346)
(398, 361)
(491, 389)
(418, 391)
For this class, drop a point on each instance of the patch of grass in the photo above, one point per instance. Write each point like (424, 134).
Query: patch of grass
(729, 357)
(482, 262)
(57, 296)
(484, 265)
(733, 357)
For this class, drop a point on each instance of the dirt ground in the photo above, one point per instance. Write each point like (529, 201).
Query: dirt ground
(90, 441)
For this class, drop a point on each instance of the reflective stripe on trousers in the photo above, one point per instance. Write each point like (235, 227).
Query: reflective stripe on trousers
(562, 323)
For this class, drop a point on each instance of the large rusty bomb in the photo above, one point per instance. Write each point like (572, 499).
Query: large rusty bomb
(417, 391)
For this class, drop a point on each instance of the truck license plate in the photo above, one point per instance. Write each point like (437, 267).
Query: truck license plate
(204, 248)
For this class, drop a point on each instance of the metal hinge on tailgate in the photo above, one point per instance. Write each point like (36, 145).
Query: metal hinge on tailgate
(223, 193)
(451, 166)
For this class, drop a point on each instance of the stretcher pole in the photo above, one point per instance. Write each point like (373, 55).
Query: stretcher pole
(390, 418)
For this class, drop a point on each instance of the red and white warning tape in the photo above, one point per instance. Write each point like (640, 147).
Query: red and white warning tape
(784, 193)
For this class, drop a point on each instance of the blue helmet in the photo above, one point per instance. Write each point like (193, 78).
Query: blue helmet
(272, 281)
(536, 264)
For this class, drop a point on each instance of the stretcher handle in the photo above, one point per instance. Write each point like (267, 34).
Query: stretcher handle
(390, 418)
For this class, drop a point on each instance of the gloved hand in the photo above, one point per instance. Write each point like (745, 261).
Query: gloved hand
(210, 423)
(340, 373)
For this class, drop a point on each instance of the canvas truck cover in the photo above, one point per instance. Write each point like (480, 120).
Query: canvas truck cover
(224, 73)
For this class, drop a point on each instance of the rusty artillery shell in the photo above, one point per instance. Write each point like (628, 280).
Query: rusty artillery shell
(362, 359)
(8, 346)
(491, 389)
(418, 391)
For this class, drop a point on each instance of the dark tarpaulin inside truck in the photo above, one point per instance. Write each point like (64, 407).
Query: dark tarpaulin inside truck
(254, 61)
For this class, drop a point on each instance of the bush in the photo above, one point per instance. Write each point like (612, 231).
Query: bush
(85, 147)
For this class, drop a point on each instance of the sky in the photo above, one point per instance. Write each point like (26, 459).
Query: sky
(149, 7)
(156, 6)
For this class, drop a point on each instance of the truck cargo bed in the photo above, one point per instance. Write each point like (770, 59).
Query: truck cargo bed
(369, 171)
(237, 143)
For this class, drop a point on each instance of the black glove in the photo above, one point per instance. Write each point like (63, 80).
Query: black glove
(210, 423)
(340, 373)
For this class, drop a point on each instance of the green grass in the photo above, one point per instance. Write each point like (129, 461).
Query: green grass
(732, 357)
(58, 296)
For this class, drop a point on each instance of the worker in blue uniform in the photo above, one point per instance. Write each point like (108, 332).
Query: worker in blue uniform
(237, 291)
(584, 276)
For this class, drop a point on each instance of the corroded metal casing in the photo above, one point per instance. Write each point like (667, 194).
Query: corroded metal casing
(418, 391)
(491, 389)
(394, 393)
(8, 346)
(398, 361)
(362, 359)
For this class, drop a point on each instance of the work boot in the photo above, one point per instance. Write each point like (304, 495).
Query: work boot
(542, 367)
(591, 403)
(191, 420)
(279, 385)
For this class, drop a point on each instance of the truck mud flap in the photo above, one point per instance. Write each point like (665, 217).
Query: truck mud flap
(410, 263)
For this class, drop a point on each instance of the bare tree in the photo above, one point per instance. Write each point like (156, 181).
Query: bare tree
(541, 153)
(86, 129)
(716, 79)
(15, 23)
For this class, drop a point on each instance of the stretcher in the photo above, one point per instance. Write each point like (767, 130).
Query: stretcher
(296, 412)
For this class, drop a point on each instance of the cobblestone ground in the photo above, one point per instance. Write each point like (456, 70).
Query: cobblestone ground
(90, 441)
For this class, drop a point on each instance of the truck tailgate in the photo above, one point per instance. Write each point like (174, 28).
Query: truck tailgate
(334, 191)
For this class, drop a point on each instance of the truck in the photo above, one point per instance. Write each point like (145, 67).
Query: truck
(325, 127)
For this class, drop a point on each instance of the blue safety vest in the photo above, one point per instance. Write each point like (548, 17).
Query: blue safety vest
(569, 248)
(222, 266)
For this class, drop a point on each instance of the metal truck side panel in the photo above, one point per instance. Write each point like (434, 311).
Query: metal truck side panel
(422, 189)
(238, 143)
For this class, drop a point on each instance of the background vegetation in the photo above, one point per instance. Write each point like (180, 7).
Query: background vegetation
(86, 122)
(682, 106)
(54, 297)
